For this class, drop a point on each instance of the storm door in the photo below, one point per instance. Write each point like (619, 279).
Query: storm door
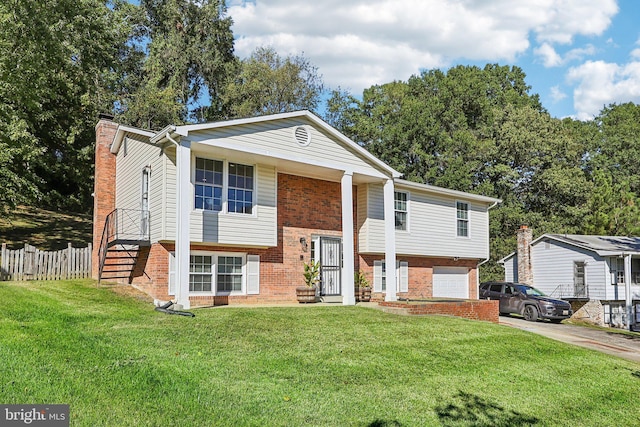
(330, 266)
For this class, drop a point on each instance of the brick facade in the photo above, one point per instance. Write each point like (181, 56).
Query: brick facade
(104, 200)
(473, 310)
(421, 274)
(306, 207)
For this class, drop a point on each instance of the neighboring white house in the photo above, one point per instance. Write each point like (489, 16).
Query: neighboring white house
(603, 270)
(228, 212)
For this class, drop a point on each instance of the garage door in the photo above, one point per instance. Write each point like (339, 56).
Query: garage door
(450, 282)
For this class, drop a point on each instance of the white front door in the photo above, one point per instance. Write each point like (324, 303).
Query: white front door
(450, 282)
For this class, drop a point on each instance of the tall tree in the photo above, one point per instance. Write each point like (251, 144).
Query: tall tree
(57, 64)
(267, 83)
(189, 60)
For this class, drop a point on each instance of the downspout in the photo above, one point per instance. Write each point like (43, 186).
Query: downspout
(488, 251)
(178, 289)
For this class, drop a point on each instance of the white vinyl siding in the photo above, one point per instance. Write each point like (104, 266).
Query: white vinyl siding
(129, 168)
(170, 193)
(553, 266)
(257, 229)
(511, 269)
(433, 226)
(362, 222)
(277, 138)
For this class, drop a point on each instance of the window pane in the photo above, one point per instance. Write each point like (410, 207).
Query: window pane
(400, 207)
(208, 182)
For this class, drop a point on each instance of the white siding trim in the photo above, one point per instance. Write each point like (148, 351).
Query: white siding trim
(377, 275)
(403, 269)
(253, 274)
(390, 239)
(348, 267)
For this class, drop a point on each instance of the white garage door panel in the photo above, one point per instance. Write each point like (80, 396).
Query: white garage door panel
(450, 282)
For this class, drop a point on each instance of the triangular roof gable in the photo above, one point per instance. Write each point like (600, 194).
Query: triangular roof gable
(318, 123)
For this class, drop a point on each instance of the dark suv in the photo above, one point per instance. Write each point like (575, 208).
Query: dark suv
(526, 300)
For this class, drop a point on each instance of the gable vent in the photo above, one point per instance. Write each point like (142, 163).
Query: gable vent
(302, 135)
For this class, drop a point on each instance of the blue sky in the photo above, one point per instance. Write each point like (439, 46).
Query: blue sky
(578, 55)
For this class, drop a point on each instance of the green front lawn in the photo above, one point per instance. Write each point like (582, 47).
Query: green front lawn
(119, 363)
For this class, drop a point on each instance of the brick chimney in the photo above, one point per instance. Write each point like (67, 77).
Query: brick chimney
(104, 186)
(525, 273)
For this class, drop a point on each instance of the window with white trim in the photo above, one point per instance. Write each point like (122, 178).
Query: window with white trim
(617, 265)
(240, 193)
(635, 271)
(462, 219)
(380, 276)
(219, 273)
(229, 275)
(221, 186)
(208, 184)
(200, 273)
(400, 210)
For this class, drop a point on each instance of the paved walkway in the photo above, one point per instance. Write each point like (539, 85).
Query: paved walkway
(610, 342)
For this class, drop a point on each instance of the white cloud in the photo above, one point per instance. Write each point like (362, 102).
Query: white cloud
(357, 43)
(600, 83)
(550, 57)
(565, 19)
(557, 94)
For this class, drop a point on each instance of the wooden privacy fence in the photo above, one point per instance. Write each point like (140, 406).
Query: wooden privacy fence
(30, 263)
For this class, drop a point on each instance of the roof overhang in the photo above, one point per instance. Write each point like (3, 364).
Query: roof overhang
(123, 131)
(447, 192)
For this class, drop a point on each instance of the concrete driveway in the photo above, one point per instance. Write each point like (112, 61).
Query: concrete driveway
(610, 342)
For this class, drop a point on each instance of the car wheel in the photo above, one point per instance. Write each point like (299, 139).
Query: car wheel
(530, 313)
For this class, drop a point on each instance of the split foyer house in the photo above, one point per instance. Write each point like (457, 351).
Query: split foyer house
(228, 212)
(599, 274)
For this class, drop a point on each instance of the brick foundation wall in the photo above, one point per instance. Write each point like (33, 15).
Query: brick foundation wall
(421, 274)
(306, 207)
(475, 310)
(104, 200)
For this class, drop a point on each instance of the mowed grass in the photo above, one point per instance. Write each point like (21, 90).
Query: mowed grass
(117, 362)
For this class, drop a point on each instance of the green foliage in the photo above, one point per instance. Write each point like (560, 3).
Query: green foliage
(266, 83)
(190, 49)
(57, 59)
(360, 280)
(311, 273)
(479, 130)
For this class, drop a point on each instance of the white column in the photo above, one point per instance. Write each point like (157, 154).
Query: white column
(348, 293)
(627, 291)
(183, 210)
(390, 240)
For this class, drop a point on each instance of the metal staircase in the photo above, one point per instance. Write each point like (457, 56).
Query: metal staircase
(125, 232)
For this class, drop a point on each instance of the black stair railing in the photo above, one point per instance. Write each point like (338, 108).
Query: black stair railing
(123, 226)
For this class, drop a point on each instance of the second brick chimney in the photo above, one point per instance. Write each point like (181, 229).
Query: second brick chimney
(525, 273)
